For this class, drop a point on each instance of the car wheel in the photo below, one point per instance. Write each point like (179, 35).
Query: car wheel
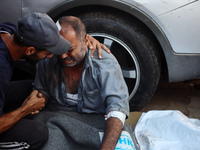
(130, 43)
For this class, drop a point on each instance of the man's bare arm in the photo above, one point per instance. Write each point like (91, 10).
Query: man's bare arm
(9, 119)
(31, 104)
(112, 133)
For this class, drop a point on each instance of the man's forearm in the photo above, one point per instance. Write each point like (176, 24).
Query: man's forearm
(9, 119)
(112, 133)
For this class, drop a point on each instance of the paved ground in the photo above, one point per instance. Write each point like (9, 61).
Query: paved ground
(183, 96)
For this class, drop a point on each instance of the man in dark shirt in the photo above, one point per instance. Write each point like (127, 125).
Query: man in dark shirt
(35, 38)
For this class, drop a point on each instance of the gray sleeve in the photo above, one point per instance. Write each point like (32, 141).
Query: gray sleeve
(40, 83)
(113, 87)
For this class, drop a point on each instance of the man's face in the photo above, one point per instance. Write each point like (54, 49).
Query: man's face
(37, 56)
(76, 53)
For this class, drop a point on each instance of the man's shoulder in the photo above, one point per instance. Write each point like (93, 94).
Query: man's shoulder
(49, 63)
(8, 27)
(108, 61)
(105, 56)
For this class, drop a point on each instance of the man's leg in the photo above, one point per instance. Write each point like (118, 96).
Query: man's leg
(26, 134)
(17, 92)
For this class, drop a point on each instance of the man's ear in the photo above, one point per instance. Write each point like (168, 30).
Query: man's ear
(30, 51)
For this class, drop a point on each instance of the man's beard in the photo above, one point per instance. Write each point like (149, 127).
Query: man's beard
(32, 58)
(75, 61)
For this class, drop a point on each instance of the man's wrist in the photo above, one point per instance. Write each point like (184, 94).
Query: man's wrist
(117, 114)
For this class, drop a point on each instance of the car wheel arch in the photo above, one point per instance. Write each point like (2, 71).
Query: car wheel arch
(116, 6)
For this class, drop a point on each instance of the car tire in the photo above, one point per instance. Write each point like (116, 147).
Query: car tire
(136, 53)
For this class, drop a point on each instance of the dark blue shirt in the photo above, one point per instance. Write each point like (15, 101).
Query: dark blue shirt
(6, 62)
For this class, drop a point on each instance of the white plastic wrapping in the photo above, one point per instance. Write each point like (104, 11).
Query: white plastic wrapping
(167, 130)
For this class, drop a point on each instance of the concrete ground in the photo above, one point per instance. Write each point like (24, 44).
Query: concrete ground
(183, 96)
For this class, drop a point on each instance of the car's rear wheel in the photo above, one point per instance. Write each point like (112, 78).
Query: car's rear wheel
(134, 50)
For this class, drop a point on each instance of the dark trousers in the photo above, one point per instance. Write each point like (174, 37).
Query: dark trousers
(27, 133)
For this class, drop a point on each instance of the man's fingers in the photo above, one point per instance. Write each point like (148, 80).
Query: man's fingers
(99, 51)
(35, 112)
(91, 48)
(39, 95)
(105, 48)
(34, 92)
(94, 44)
(89, 44)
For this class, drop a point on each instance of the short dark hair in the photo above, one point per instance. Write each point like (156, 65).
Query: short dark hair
(76, 24)
(18, 42)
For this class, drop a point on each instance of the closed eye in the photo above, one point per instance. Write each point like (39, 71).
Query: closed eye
(70, 50)
(49, 54)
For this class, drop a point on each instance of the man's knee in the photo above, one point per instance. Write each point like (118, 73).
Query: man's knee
(40, 136)
(27, 133)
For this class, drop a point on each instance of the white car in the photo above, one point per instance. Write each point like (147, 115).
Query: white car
(150, 38)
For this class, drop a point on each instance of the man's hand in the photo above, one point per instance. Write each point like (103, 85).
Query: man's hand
(39, 95)
(34, 102)
(93, 44)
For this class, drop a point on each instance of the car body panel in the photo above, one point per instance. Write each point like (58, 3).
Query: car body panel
(186, 41)
(176, 17)
(8, 12)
